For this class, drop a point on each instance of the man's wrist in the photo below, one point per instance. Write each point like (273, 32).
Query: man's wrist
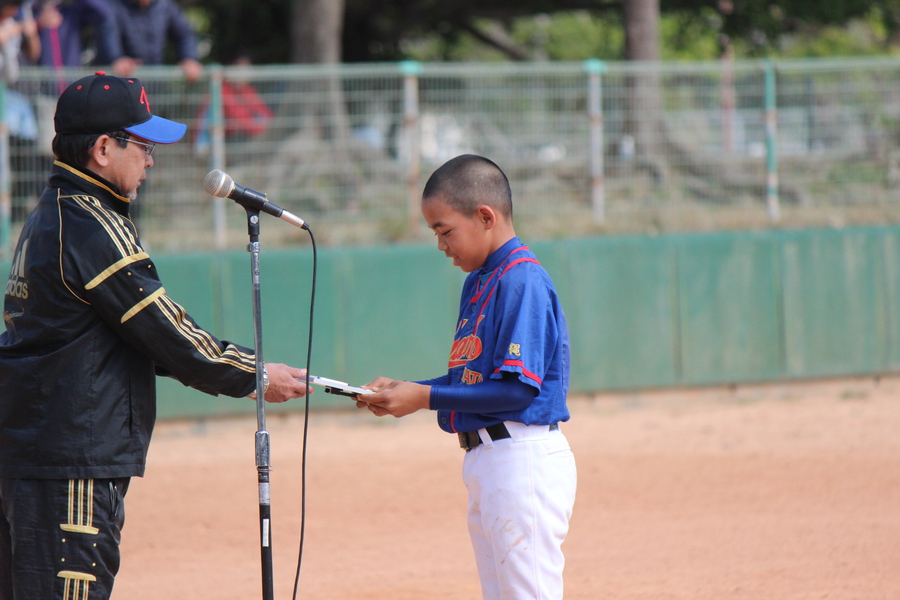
(265, 383)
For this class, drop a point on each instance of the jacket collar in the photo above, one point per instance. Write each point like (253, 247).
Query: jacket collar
(64, 175)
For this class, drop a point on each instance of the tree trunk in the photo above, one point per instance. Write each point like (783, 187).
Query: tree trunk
(316, 29)
(641, 29)
(644, 118)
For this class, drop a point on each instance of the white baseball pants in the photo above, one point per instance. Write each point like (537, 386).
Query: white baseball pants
(521, 494)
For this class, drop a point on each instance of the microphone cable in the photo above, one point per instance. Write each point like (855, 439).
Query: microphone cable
(312, 304)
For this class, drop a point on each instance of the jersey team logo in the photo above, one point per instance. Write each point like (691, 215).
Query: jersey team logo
(469, 376)
(464, 350)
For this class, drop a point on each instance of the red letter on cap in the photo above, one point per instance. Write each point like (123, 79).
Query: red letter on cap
(145, 99)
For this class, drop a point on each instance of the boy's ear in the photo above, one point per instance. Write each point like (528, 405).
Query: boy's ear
(487, 215)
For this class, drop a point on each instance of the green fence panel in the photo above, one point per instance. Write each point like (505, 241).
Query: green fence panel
(834, 310)
(198, 282)
(285, 290)
(617, 294)
(729, 302)
(216, 291)
(192, 281)
(642, 311)
(890, 252)
(398, 310)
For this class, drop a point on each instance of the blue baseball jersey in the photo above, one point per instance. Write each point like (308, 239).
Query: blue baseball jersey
(510, 321)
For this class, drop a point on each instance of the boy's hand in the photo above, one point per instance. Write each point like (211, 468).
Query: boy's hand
(378, 385)
(396, 398)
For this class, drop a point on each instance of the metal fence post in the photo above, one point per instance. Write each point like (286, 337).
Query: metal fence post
(217, 139)
(772, 202)
(411, 70)
(728, 100)
(595, 68)
(5, 181)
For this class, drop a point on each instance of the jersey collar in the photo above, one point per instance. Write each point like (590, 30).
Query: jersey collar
(498, 257)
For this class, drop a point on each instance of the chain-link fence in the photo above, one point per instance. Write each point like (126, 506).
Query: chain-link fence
(589, 147)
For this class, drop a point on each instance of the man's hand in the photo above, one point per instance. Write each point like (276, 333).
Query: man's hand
(396, 398)
(50, 17)
(285, 382)
(191, 68)
(125, 66)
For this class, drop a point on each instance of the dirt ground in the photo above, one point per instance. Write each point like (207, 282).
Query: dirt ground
(770, 492)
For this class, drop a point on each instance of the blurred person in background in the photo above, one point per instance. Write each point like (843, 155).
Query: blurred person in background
(19, 42)
(65, 25)
(247, 116)
(18, 35)
(18, 38)
(146, 27)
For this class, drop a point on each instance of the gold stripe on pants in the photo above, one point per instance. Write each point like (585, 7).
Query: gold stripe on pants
(81, 507)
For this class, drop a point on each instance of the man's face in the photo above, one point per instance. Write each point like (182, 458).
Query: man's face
(128, 165)
(461, 238)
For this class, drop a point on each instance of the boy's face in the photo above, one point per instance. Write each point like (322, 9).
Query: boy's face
(462, 238)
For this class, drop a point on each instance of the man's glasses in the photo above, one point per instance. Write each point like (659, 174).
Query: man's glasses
(148, 148)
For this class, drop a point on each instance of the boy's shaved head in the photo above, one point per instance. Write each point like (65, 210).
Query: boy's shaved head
(468, 181)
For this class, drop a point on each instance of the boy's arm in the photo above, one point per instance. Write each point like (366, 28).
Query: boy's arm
(491, 396)
(442, 380)
(401, 398)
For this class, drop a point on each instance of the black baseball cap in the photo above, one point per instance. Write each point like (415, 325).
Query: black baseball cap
(101, 103)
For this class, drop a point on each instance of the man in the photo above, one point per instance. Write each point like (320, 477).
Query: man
(65, 25)
(146, 27)
(88, 328)
(18, 38)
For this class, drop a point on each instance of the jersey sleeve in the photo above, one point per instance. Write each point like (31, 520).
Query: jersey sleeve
(526, 325)
(109, 270)
(490, 396)
(442, 380)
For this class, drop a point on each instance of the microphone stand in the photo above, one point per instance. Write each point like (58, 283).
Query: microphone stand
(263, 463)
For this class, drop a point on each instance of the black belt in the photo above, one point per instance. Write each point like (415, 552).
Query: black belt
(498, 431)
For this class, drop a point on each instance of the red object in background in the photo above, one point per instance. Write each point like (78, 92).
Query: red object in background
(244, 109)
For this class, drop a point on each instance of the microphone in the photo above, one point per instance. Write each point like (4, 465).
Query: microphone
(221, 185)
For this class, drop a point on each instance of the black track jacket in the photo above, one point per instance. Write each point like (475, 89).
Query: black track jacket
(88, 328)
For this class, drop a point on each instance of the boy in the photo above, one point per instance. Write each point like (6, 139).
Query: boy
(505, 390)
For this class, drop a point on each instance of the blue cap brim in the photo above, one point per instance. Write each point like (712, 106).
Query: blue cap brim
(159, 130)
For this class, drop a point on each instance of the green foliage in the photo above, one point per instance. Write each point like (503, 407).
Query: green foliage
(572, 35)
(567, 36)
(690, 36)
(432, 30)
(458, 46)
(860, 37)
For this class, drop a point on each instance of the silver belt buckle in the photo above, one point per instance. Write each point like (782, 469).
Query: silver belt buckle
(468, 439)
